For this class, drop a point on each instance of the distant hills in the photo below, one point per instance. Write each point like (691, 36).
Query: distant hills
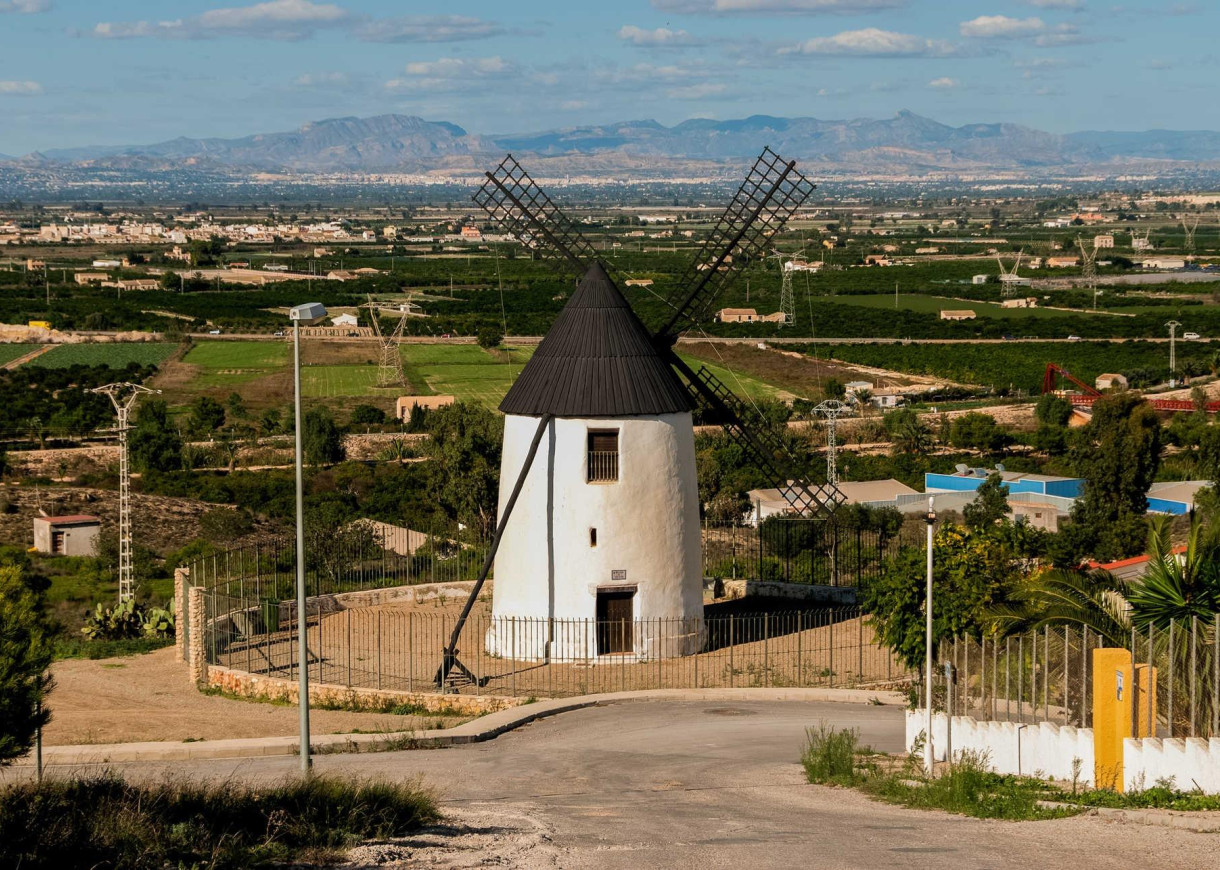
(905, 143)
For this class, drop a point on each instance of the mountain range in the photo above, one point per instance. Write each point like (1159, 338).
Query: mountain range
(905, 142)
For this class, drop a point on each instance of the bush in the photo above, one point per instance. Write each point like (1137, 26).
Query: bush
(103, 821)
(489, 337)
(25, 656)
(830, 755)
(128, 621)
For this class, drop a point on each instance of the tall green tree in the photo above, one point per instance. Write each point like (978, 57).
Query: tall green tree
(321, 439)
(25, 660)
(207, 415)
(154, 443)
(1118, 454)
(990, 504)
(465, 473)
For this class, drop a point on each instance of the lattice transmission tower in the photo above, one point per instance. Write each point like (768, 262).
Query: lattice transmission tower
(1190, 225)
(787, 299)
(1088, 261)
(123, 396)
(832, 410)
(389, 370)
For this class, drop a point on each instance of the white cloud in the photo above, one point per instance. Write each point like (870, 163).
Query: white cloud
(322, 80)
(274, 19)
(775, 7)
(1063, 34)
(695, 92)
(25, 7)
(944, 83)
(573, 105)
(1056, 4)
(1037, 67)
(994, 26)
(451, 74)
(429, 28)
(661, 37)
(20, 89)
(872, 42)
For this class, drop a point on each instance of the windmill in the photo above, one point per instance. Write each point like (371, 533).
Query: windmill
(607, 402)
(1088, 260)
(389, 370)
(1010, 281)
(1190, 226)
(123, 396)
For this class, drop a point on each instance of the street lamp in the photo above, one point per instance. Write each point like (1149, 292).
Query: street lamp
(928, 757)
(1173, 361)
(307, 314)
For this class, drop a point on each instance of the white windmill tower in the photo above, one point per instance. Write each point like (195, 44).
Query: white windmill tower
(614, 502)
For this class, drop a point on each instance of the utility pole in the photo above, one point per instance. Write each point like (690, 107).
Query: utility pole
(832, 410)
(928, 757)
(1173, 359)
(123, 396)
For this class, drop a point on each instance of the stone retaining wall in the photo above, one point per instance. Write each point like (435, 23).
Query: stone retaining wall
(837, 596)
(264, 688)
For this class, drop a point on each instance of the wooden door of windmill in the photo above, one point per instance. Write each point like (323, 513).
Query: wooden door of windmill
(615, 621)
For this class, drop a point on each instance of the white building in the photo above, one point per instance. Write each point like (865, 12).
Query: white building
(606, 526)
(345, 320)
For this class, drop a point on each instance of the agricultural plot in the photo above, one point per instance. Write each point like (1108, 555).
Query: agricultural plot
(10, 352)
(332, 382)
(464, 370)
(114, 355)
(934, 304)
(228, 364)
(744, 385)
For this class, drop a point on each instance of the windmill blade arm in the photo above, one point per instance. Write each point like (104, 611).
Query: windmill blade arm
(762, 447)
(521, 208)
(772, 192)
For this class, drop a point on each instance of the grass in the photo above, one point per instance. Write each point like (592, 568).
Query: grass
(227, 364)
(466, 371)
(742, 384)
(116, 355)
(328, 382)
(80, 647)
(104, 821)
(10, 352)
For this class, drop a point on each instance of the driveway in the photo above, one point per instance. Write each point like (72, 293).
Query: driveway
(663, 784)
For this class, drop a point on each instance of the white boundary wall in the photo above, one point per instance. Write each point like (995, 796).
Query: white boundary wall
(1048, 750)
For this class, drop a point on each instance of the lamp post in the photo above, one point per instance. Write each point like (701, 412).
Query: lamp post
(1173, 359)
(928, 757)
(309, 313)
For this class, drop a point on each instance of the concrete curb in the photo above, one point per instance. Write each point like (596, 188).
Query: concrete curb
(1199, 822)
(476, 731)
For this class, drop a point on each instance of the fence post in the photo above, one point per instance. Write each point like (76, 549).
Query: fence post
(1169, 649)
(378, 649)
(514, 648)
(348, 611)
(1216, 676)
(182, 581)
(198, 651)
(767, 649)
(800, 662)
(859, 638)
(1194, 669)
(732, 676)
(831, 632)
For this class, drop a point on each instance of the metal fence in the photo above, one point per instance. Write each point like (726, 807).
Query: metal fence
(390, 647)
(797, 550)
(1047, 676)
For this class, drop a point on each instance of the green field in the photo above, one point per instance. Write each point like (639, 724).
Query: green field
(10, 352)
(330, 382)
(934, 304)
(226, 364)
(744, 386)
(114, 355)
(463, 370)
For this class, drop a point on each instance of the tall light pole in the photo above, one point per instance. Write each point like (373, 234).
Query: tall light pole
(928, 757)
(309, 313)
(1173, 359)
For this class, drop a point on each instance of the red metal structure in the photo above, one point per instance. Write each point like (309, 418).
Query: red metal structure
(1052, 382)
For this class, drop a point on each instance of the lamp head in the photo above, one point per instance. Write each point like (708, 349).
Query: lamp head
(308, 314)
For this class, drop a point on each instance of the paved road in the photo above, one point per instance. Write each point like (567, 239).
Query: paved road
(701, 784)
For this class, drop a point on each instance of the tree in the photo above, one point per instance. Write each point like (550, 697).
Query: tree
(236, 406)
(465, 472)
(363, 415)
(1053, 410)
(489, 337)
(153, 444)
(977, 431)
(207, 415)
(990, 504)
(973, 572)
(321, 439)
(909, 434)
(1118, 454)
(25, 658)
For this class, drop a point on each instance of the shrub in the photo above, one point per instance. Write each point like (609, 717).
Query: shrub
(25, 656)
(103, 821)
(127, 621)
(830, 755)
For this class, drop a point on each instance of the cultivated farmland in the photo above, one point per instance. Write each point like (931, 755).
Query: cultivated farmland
(114, 355)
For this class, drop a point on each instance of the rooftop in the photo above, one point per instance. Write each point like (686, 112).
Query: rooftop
(70, 520)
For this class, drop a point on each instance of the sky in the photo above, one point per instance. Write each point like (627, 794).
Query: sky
(81, 72)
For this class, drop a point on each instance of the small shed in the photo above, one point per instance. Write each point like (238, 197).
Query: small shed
(956, 314)
(73, 535)
(345, 320)
(406, 404)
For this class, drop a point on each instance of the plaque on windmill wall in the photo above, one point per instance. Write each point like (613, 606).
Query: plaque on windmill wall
(618, 575)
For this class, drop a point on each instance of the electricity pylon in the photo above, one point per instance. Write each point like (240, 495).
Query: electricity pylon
(123, 396)
(389, 371)
(832, 410)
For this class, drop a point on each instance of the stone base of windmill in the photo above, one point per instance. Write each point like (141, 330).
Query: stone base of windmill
(584, 640)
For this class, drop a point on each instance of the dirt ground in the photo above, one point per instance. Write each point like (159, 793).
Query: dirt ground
(149, 697)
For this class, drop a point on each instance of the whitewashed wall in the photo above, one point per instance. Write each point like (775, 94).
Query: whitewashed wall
(1046, 749)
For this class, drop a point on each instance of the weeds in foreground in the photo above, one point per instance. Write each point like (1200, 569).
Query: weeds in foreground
(104, 821)
(834, 757)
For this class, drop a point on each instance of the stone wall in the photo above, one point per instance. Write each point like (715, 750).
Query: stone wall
(253, 686)
(835, 596)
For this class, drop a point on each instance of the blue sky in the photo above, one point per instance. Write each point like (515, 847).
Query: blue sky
(132, 71)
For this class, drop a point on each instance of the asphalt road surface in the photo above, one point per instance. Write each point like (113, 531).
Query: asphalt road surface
(699, 784)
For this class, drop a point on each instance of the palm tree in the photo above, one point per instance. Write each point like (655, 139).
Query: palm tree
(913, 436)
(1174, 588)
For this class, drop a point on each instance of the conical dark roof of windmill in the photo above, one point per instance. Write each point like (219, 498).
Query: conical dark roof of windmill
(597, 361)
